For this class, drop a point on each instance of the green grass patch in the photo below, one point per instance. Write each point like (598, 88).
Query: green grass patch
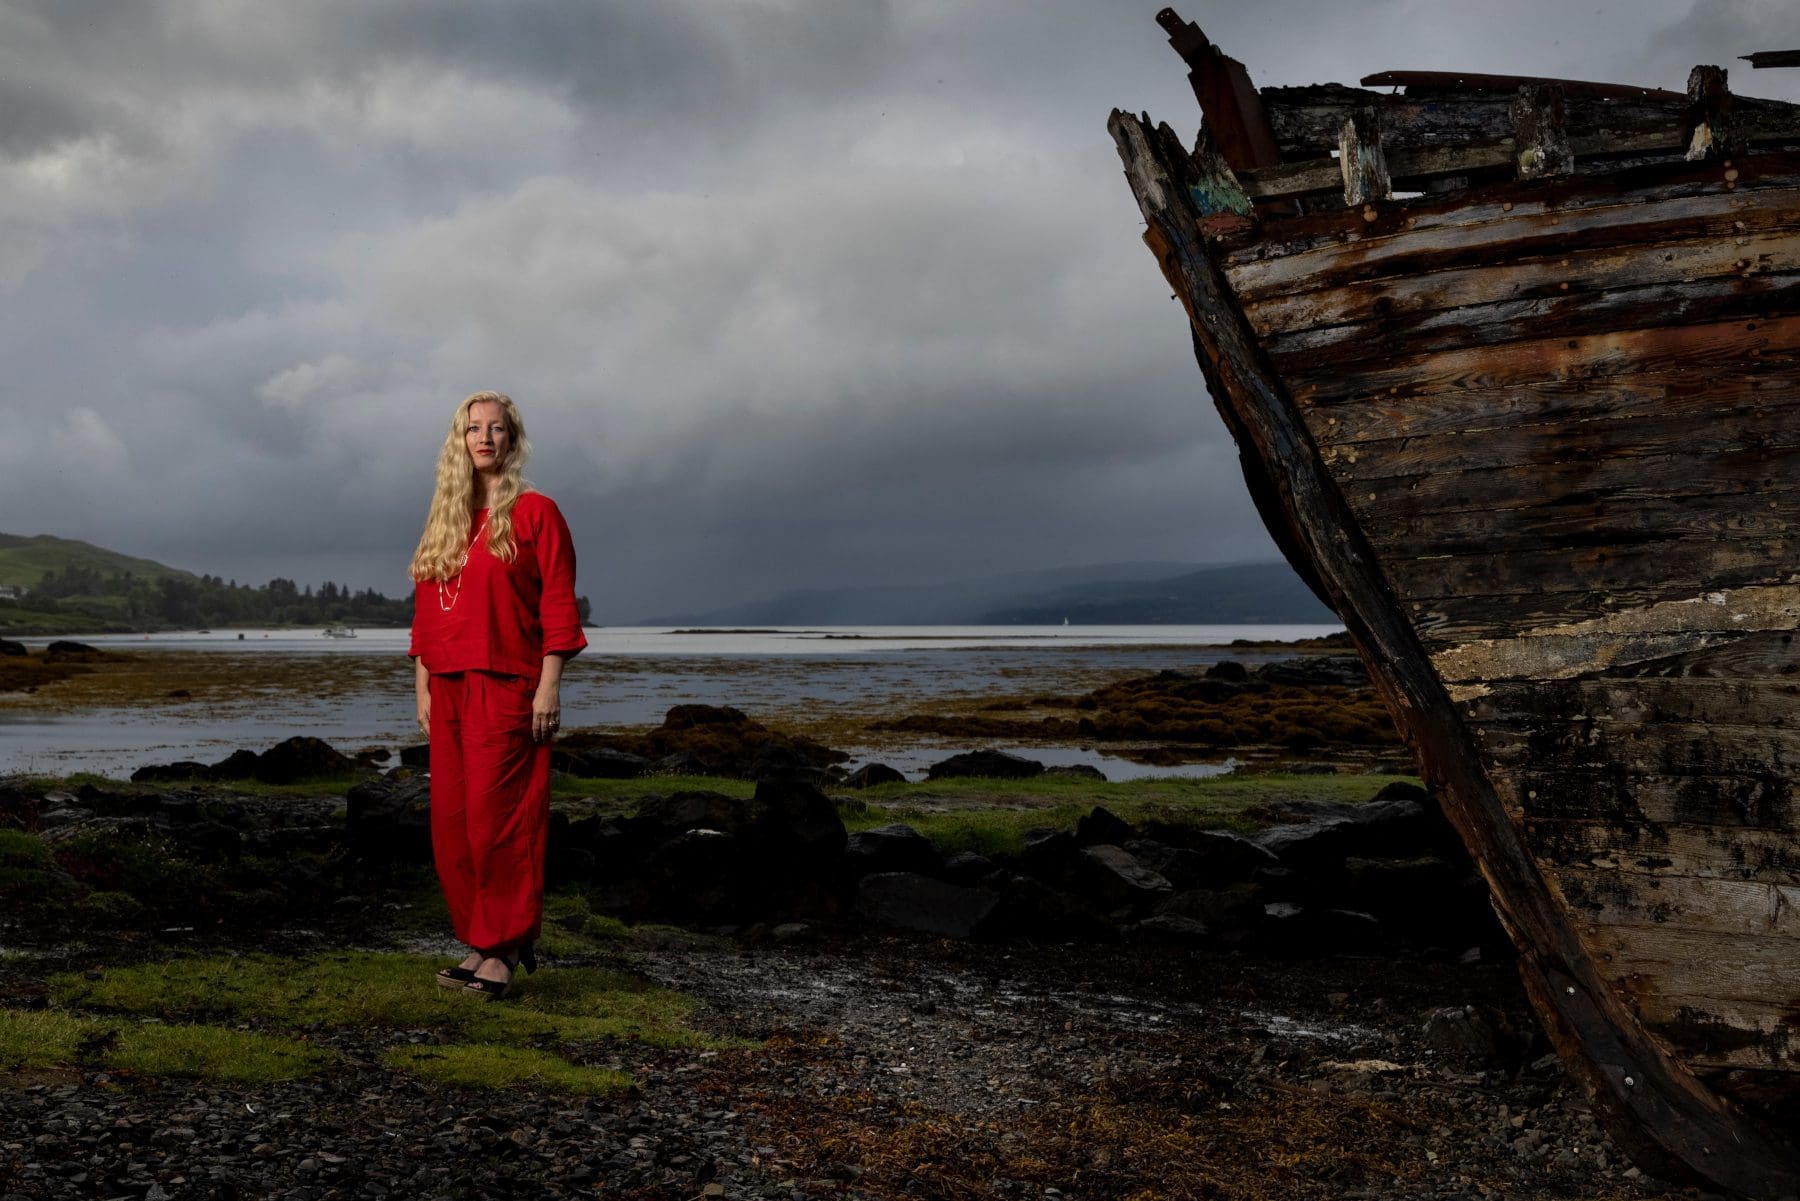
(503, 1067)
(393, 992)
(571, 928)
(162, 1019)
(52, 1038)
(991, 816)
(622, 791)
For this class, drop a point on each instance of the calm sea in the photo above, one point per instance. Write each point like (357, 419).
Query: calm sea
(357, 692)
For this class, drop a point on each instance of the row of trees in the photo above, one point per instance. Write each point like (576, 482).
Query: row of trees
(136, 602)
(126, 601)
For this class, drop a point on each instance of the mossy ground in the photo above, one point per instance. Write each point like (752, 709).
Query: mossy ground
(263, 1017)
(991, 816)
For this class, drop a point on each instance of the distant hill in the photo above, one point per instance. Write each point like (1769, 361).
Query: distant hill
(71, 587)
(1248, 594)
(24, 560)
(1109, 594)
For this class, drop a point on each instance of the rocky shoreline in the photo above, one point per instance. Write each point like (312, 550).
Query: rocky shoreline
(907, 1068)
(1317, 1004)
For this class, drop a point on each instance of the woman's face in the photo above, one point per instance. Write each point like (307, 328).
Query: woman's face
(487, 437)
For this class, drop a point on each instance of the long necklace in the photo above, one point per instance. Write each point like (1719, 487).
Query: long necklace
(450, 603)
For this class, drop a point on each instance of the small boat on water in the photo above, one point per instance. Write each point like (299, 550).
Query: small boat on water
(1513, 366)
(339, 632)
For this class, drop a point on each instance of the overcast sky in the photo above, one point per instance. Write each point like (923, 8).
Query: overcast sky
(791, 292)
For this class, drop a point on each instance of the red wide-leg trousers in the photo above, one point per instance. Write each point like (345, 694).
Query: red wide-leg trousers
(490, 807)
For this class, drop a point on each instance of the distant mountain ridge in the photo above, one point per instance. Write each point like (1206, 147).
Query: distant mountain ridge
(1155, 593)
(24, 560)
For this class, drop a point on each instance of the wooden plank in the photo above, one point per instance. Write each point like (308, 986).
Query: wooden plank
(1541, 131)
(1660, 749)
(1595, 523)
(1655, 182)
(1227, 97)
(1730, 1033)
(1609, 899)
(1305, 120)
(1730, 429)
(1448, 623)
(1310, 355)
(1760, 798)
(1555, 358)
(1312, 251)
(1361, 161)
(1468, 81)
(1733, 249)
(1711, 124)
(1386, 502)
(1767, 380)
(1700, 563)
(1742, 968)
(1764, 59)
(1726, 853)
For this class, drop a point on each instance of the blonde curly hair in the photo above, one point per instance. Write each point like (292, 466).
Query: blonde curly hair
(446, 538)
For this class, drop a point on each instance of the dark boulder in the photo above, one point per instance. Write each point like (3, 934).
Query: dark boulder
(773, 761)
(682, 763)
(1229, 670)
(910, 901)
(698, 876)
(1231, 915)
(893, 848)
(62, 648)
(1334, 831)
(9, 647)
(1475, 1033)
(159, 773)
(1170, 928)
(1114, 878)
(1078, 771)
(1304, 931)
(667, 816)
(1209, 859)
(419, 755)
(777, 850)
(388, 819)
(686, 717)
(990, 764)
(967, 867)
(1049, 854)
(301, 758)
(871, 774)
(599, 763)
(1030, 908)
(1102, 826)
(239, 765)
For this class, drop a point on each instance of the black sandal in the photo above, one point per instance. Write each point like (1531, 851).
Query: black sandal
(454, 977)
(493, 990)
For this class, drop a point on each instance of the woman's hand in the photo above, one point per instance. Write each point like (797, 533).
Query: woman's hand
(546, 705)
(422, 696)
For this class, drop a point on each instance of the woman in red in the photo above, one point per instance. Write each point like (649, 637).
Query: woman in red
(494, 620)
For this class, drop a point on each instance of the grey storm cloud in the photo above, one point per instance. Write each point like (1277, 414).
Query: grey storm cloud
(793, 292)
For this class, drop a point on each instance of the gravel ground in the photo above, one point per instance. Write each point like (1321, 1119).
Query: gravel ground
(902, 1068)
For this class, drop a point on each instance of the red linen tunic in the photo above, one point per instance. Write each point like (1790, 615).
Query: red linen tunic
(507, 616)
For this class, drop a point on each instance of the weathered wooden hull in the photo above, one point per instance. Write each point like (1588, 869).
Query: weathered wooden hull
(1537, 443)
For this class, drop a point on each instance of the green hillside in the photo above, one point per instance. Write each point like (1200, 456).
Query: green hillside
(23, 561)
(75, 587)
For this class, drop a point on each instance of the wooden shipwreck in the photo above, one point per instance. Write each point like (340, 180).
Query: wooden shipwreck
(1514, 369)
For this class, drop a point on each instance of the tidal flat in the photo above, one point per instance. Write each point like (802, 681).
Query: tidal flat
(147, 700)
